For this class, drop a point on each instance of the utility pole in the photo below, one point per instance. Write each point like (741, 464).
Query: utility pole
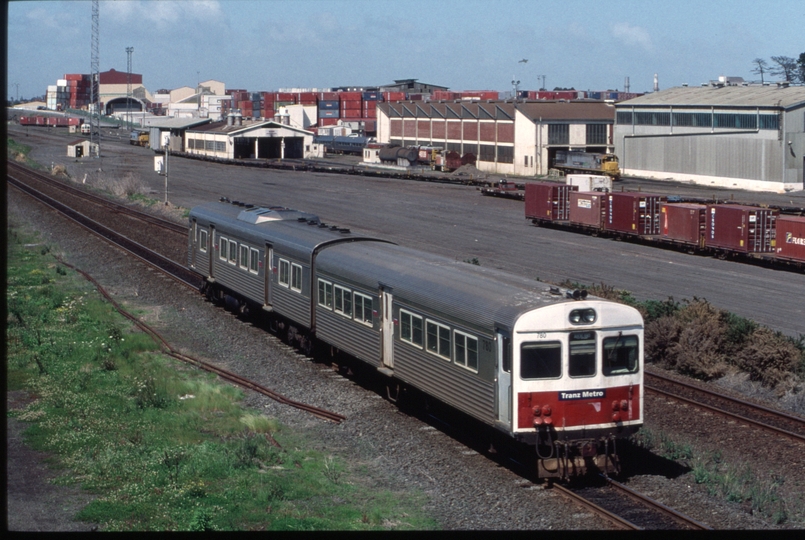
(129, 50)
(95, 85)
(18, 91)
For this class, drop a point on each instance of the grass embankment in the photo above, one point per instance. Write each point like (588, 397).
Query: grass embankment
(162, 445)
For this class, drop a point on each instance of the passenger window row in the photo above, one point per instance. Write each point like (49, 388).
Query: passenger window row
(435, 337)
(241, 255)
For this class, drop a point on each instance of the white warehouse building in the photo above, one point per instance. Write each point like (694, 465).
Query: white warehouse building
(505, 137)
(748, 137)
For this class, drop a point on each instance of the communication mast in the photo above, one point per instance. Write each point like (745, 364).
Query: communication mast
(95, 85)
(129, 50)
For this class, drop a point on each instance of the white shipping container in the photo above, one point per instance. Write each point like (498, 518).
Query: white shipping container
(589, 182)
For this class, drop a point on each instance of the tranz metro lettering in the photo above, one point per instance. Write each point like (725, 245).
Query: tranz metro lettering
(791, 239)
(583, 394)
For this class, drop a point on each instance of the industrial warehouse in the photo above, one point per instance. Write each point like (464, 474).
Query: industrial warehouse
(726, 133)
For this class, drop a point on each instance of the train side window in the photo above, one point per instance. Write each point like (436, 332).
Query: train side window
(466, 350)
(284, 275)
(621, 355)
(343, 301)
(233, 252)
(411, 328)
(582, 354)
(438, 339)
(254, 261)
(296, 277)
(244, 257)
(541, 360)
(223, 249)
(202, 240)
(325, 294)
(363, 309)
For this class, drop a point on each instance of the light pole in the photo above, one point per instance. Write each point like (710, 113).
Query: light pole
(167, 152)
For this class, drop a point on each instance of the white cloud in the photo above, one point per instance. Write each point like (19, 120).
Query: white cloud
(632, 35)
(161, 13)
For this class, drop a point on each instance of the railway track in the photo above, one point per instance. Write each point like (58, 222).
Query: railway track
(754, 414)
(628, 509)
(175, 271)
(641, 522)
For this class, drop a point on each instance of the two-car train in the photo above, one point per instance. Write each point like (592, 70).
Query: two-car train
(553, 368)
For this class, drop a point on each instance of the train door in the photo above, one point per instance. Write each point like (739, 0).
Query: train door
(268, 271)
(213, 253)
(193, 243)
(503, 403)
(386, 327)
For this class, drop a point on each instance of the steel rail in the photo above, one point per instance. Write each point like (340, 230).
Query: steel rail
(728, 414)
(88, 224)
(113, 206)
(170, 268)
(682, 518)
(768, 410)
(614, 518)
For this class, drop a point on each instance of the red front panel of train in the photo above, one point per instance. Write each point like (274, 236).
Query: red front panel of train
(791, 238)
(576, 408)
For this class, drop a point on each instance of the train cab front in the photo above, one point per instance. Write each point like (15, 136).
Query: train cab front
(577, 377)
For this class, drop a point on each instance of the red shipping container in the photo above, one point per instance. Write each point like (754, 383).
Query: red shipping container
(791, 238)
(741, 228)
(633, 212)
(351, 96)
(393, 96)
(286, 96)
(307, 98)
(328, 96)
(684, 222)
(587, 208)
(548, 200)
(370, 126)
(370, 113)
(328, 121)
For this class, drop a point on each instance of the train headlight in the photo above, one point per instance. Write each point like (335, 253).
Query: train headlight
(582, 316)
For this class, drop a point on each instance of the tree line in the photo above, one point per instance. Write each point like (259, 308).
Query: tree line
(790, 69)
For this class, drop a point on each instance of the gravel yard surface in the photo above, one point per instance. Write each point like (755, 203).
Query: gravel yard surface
(465, 490)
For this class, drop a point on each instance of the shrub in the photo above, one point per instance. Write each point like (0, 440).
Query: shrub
(771, 358)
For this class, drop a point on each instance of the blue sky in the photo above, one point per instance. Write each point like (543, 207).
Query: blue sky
(264, 45)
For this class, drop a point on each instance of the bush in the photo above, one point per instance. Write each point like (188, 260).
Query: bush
(770, 358)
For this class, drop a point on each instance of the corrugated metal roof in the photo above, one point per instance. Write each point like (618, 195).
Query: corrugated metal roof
(175, 123)
(222, 127)
(724, 96)
(534, 110)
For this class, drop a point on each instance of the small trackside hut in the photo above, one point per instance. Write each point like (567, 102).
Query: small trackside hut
(554, 369)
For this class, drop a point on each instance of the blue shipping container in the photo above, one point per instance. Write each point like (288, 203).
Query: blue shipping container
(371, 96)
(327, 105)
(328, 113)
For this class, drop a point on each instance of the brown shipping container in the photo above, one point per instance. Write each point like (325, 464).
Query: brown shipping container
(684, 222)
(741, 228)
(633, 212)
(586, 208)
(791, 238)
(548, 200)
